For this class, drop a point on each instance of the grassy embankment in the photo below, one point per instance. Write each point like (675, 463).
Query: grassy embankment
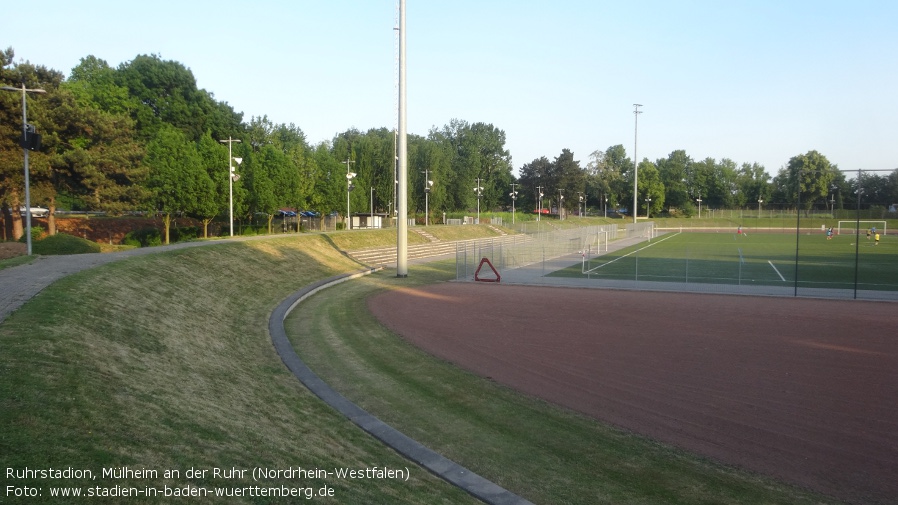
(164, 362)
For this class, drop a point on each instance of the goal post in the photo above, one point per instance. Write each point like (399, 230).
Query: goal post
(861, 227)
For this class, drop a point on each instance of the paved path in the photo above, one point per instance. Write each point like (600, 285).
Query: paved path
(21, 283)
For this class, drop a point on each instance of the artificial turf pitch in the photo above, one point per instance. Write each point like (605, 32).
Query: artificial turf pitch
(751, 259)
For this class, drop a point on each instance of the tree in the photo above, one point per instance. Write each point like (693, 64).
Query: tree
(673, 172)
(93, 83)
(568, 177)
(651, 189)
(478, 154)
(176, 175)
(165, 92)
(807, 179)
(753, 183)
(213, 198)
(12, 176)
(533, 181)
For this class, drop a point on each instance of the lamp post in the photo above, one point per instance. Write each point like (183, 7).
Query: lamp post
(371, 201)
(514, 196)
(606, 207)
(580, 205)
(636, 113)
(479, 190)
(699, 200)
(427, 185)
(232, 177)
(648, 208)
(539, 202)
(26, 145)
(560, 205)
(759, 207)
(349, 187)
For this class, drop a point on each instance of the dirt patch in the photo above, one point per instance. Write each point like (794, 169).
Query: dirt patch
(12, 249)
(798, 389)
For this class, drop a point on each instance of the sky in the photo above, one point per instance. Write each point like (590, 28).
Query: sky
(755, 81)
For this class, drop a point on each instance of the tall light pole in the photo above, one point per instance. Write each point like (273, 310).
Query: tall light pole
(514, 196)
(648, 208)
(402, 168)
(699, 200)
(427, 185)
(26, 145)
(479, 190)
(636, 113)
(580, 205)
(232, 177)
(349, 187)
(759, 207)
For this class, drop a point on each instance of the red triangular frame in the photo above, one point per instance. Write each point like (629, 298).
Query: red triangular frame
(477, 273)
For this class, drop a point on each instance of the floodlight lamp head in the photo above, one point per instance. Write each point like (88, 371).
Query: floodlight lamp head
(238, 160)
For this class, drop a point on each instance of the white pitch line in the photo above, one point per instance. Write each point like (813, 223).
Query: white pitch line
(632, 252)
(777, 271)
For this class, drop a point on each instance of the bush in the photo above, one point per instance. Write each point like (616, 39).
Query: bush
(36, 233)
(64, 244)
(184, 233)
(144, 237)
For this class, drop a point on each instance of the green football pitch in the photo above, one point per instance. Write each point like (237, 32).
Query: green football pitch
(751, 259)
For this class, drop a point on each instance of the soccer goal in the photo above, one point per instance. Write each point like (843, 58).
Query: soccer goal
(852, 227)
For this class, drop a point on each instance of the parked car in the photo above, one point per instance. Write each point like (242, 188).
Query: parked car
(35, 211)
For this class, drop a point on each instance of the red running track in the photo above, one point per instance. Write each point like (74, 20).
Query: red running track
(802, 390)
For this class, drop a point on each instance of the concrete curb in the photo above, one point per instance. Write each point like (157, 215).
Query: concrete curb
(437, 464)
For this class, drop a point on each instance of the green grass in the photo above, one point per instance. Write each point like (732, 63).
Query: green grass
(752, 259)
(62, 243)
(545, 453)
(164, 362)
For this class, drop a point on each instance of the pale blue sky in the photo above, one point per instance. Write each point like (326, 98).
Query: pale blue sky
(753, 81)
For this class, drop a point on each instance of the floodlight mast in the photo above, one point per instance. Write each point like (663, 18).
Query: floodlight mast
(402, 148)
(636, 113)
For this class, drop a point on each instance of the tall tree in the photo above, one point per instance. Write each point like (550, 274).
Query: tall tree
(673, 171)
(166, 92)
(533, 180)
(214, 199)
(807, 179)
(175, 175)
(12, 176)
(569, 178)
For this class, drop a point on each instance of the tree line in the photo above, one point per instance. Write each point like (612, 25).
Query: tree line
(143, 137)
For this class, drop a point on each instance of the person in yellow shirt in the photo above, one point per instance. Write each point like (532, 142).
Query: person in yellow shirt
(876, 239)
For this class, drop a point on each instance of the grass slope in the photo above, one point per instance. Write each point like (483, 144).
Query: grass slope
(164, 362)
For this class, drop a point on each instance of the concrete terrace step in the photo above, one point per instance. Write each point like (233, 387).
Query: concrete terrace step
(424, 234)
(497, 230)
(387, 255)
